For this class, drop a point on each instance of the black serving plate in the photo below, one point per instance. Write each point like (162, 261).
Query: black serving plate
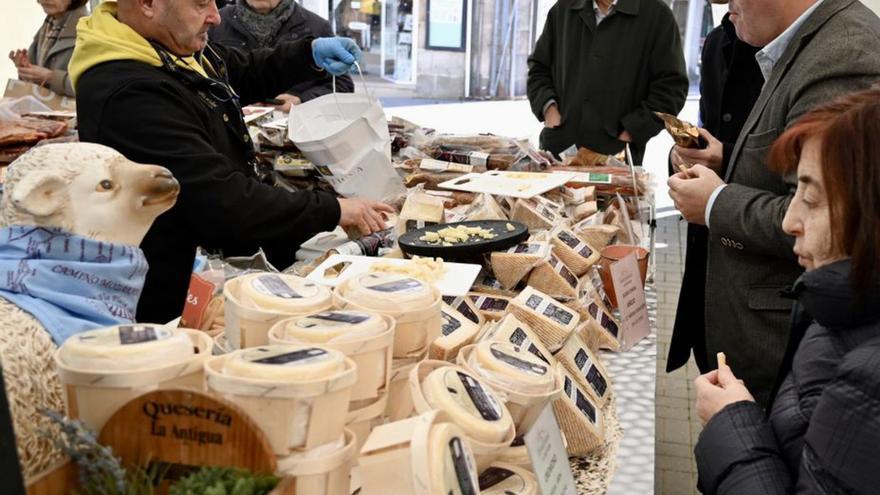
(411, 245)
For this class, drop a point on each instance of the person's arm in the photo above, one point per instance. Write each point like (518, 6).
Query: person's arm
(668, 86)
(60, 83)
(540, 86)
(310, 90)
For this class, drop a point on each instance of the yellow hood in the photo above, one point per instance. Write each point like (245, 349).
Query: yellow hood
(101, 38)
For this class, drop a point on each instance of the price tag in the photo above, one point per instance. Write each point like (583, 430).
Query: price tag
(198, 296)
(630, 293)
(548, 455)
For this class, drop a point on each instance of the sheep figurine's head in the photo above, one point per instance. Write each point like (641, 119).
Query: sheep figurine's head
(86, 189)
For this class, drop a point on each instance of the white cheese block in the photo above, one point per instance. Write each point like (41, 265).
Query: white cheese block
(511, 329)
(511, 266)
(287, 363)
(552, 277)
(551, 320)
(282, 293)
(533, 215)
(597, 236)
(453, 468)
(469, 403)
(126, 347)
(457, 332)
(419, 210)
(484, 208)
(505, 479)
(573, 251)
(389, 292)
(585, 366)
(465, 306)
(578, 416)
(333, 325)
(490, 306)
(514, 366)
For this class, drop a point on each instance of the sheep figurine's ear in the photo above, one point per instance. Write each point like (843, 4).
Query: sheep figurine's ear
(40, 194)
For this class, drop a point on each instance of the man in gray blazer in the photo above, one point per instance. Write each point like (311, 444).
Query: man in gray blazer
(813, 51)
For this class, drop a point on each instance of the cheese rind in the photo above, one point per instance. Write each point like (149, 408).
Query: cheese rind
(585, 366)
(513, 366)
(533, 215)
(457, 332)
(490, 306)
(579, 418)
(511, 329)
(597, 236)
(577, 255)
(285, 363)
(512, 266)
(281, 293)
(553, 277)
(126, 347)
(551, 320)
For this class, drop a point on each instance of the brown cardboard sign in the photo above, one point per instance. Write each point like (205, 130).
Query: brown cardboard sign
(627, 280)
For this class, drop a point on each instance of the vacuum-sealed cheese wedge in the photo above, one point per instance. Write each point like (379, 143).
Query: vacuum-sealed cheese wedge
(584, 210)
(389, 291)
(490, 306)
(604, 327)
(578, 416)
(469, 403)
(285, 363)
(457, 332)
(512, 366)
(577, 255)
(511, 266)
(283, 293)
(535, 216)
(505, 479)
(597, 236)
(333, 326)
(551, 320)
(585, 366)
(552, 277)
(511, 329)
(465, 306)
(488, 284)
(419, 210)
(126, 347)
(484, 208)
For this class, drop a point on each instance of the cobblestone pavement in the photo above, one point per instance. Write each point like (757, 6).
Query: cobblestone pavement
(678, 426)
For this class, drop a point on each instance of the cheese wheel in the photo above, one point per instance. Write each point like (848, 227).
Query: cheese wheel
(514, 365)
(469, 403)
(504, 479)
(285, 363)
(126, 347)
(389, 292)
(452, 464)
(283, 293)
(333, 326)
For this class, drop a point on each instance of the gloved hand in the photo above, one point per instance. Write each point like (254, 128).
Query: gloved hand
(335, 55)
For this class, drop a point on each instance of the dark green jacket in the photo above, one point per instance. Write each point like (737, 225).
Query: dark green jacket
(608, 78)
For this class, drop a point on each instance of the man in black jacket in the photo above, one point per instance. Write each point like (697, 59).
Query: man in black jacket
(175, 101)
(251, 24)
(599, 71)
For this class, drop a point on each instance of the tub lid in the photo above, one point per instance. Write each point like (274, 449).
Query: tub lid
(469, 403)
(285, 362)
(283, 293)
(126, 348)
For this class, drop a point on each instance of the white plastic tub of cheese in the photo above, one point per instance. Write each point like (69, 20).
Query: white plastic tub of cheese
(506, 479)
(469, 402)
(103, 369)
(298, 395)
(255, 302)
(520, 379)
(413, 304)
(400, 404)
(423, 455)
(325, 470)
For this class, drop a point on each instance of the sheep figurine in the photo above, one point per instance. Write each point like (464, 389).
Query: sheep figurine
(90, 204)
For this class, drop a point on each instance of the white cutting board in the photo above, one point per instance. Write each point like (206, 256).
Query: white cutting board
(457, 280)
(523, 185)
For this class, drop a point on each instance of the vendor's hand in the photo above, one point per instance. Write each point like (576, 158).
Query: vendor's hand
(34, 74)
(625, 137)
(364, 214)
(19, 58)
(335, 55)
(712, 156)
(289, 101)
(718, 389)
(552, 117)
(691, 191)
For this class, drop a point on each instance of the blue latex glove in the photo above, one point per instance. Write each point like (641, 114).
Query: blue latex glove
(335, 55)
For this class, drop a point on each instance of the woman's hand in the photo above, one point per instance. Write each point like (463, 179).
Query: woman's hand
(35, 74)
(364, 214)
(718, 389)
(19, 58)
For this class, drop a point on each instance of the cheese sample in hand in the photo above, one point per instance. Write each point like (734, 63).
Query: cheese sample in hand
(551, 320)
(126, 347)
(552, 277)
(457, 332)
(512, 330)
(285, 363)
(578, 416)
(282, 293)
(490, 306)
(583, 364)
(505, 479)
(511, 266)
(420, 210)
(722, 359)
(333, 326)
(535, 216)
(573, 251)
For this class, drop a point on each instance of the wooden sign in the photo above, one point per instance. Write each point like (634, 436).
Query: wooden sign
(187, 430)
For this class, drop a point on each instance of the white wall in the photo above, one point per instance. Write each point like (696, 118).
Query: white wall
(19, 21)
(873, 5)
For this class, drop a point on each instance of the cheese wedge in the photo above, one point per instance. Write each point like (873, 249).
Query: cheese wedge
(584, 210)
(465, 306)
(511, 329)
(420, 210)
(505, 479)
(511, 266)
(552, 277)
(389, 292)
(485, 208)
(333, 326)
(469, 403)
(533, 215)
(551, 320)
(490, 306)
(513, 367)
(506, 203)
(126, 347)
(577, 255)
(585, 366)
(488, 284)
(597, 236)
(282, 293)
(579, 418)
(604, 328)
(285, 363)
(578, 195)
(457, 332)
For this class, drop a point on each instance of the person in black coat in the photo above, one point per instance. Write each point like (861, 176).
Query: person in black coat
(251, 24)
(822, 431)
(730, 82)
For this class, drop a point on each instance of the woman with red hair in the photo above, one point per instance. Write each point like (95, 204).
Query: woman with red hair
(821, 433)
